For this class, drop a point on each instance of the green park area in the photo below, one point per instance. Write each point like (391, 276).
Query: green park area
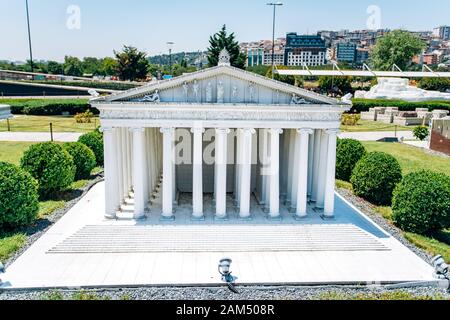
(368, 126)
(25, 123)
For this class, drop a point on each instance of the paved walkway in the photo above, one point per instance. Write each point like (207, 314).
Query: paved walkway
(68, 255)
(376, 135)
(39, 136)
(73, 136)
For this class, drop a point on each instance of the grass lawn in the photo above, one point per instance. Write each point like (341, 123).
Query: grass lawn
(23, 123)
(367, 126)
(11, 151)
(411, 158)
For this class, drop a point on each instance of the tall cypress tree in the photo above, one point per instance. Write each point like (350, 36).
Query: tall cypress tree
(222, 40)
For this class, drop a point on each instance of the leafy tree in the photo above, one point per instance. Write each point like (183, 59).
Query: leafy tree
(91, 65)
(397, 47)
(222, 40)
(108, 66)
(131, 64)
(54, 67)
(338, 85)
(73, 66)
(437, 84)
(292, 80)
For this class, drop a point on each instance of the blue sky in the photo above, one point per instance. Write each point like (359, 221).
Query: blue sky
(108, 24)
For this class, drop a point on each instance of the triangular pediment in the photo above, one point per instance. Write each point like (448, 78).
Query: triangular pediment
(219, 85)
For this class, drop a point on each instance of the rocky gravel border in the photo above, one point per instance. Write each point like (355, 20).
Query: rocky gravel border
(222, 293)
(38, 228)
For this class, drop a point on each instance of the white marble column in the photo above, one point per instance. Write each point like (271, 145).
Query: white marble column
(310, 164)
(167, 198)
(295, 171)
(120, 165)
(244, 212)
(315, 166)
(126, 179)
(290, 164)
(322, 170)
(139, 172)
(274, 188)
(197, 174)
(330, 173)
(174, 180)
(129, 158)
(237, 167)
(111, 174)
(221, 174)
(302, 164)
(264, 167)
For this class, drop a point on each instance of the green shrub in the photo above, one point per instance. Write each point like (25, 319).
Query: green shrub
(375, 177)
(50, 165)
(421, 202)
(83, 157)
(350, 119)
(49, 107)
(94, 140)
(360, 105)
(348, 153)
(420, 132)
(19, 197)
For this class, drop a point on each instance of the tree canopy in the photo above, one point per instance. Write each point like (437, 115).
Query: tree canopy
(222, 40)
(397, 47)
(132, 64)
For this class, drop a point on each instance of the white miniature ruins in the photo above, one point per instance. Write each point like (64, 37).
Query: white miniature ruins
(220, 131)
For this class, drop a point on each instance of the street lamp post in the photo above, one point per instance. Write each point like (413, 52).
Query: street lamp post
(170, 46)
(274, 5)
(29, 36)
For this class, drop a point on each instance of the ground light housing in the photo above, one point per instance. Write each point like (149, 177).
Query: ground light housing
(224, 269)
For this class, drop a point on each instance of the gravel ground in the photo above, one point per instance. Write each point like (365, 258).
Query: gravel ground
(245, 293)
(222, 293)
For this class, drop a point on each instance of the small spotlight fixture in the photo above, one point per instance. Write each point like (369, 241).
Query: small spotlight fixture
(440, 267)
(224, 269)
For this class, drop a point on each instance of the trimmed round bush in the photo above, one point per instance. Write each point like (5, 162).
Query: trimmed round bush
(83, 157)
(19, 203)
(50, 165)
(348, 153)
(94, 140)
(375, 177)
(421, 202)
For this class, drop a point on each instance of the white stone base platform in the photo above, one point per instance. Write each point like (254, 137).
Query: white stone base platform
(85, 250)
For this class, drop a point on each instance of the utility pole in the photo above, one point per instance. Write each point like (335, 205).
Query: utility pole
(170, 46)
(274, 5)
(29, 36)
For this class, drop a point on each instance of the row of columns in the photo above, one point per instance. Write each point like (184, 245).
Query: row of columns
(132, 163)
(134, 159)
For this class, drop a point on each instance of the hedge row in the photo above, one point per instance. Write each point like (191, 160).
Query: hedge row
(361, 105)
(49, 107)
(88, 84)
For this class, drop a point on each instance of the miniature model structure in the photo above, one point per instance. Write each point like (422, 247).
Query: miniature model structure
(223, 132)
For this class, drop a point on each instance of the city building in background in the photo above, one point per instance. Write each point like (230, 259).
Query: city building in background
(309, 50)
(442, 32)
(346, 52)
